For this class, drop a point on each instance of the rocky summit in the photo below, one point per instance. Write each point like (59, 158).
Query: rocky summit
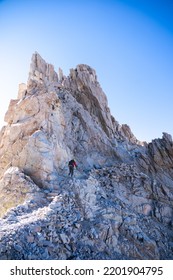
(118, 204)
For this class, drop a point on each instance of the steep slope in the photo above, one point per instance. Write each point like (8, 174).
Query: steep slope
(118, 206)
(111, 214)
(55, 119)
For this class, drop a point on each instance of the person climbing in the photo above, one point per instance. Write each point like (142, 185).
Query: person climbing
(71, 166)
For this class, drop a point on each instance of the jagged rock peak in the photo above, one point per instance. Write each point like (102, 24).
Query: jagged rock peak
(119, 204)
(41, 71)
(85, 71)
(81, 79)
(167, 137)
(58, 118)
(85, 74)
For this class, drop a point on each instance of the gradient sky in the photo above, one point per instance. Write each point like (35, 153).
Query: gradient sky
(128, 42)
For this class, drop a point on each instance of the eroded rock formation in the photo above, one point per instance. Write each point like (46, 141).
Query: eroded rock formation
(120, 203)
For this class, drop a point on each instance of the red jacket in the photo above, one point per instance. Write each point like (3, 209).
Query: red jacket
(72, 163)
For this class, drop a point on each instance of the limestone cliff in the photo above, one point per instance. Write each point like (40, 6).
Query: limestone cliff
(118, 206)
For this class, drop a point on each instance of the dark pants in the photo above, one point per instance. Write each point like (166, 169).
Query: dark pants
(71, 169)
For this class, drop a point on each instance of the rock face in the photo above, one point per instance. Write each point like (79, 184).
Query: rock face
(56, 119)
(120, 203)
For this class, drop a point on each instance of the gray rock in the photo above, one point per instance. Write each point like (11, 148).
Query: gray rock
(119, 203)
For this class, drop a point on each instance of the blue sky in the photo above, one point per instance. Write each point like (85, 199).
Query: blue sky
(128, 42)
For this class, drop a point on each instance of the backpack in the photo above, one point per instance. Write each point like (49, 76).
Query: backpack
(72, 163)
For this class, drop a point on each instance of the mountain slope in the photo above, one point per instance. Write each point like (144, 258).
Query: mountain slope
(118, 206)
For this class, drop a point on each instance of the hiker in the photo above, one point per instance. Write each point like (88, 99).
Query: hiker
(71, 166)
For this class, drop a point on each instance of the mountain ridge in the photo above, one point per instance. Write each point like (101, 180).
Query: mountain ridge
(121, 187)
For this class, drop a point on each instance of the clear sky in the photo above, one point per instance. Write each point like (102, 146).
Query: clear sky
(128, 42)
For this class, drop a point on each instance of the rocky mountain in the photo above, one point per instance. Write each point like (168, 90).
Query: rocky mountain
(118, 205)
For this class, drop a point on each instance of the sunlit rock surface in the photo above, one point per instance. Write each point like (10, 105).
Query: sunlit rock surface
(119, 204)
